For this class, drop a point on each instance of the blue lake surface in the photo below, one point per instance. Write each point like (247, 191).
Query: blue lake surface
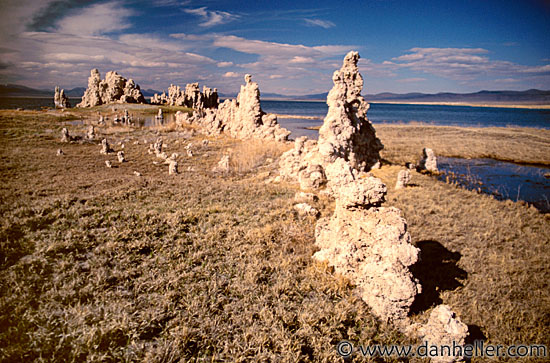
(430, 114)
(501, 179)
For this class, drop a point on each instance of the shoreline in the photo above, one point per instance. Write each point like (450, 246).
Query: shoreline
(436, 103)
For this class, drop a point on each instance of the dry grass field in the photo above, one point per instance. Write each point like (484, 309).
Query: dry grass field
(404, 143)
(98, 264)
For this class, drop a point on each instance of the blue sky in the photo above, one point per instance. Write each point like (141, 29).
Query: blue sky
(290, 47)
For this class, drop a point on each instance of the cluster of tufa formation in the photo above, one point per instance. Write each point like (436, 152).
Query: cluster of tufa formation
(60, 100)
(346, 132)
(363, 240)
(191, 97)
(370, 245)
(114, 88)
(242, 118)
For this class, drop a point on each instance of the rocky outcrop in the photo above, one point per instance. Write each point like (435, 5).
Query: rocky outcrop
(60, 100)
(346, 133)
(371, 246)
(444, 328)
(429, 161)
(403, 179)
(105, 147)
(242, 118)
(65, 137)
(114, 88)
(190, 97)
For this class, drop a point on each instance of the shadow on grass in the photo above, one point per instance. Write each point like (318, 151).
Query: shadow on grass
(437, 271)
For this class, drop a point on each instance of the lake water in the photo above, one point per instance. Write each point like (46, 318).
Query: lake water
(501, 179)
(393, 113)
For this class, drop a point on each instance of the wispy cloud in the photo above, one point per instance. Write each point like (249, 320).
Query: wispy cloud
(322, 23)
(461, 64)
(411, 80)
(212, 17)
(96, 19)
(231, 75)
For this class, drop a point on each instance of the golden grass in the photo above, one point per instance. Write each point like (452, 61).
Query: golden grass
(404, 143)
(248, 155)
(487, 259)
(100, 264)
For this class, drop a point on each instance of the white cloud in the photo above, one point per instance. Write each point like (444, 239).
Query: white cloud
(411, 80)
(275, 76)
(299, 59)
(461, 64)
(231, 75)
(224, 64)
(96, 19)
(322, 23)
(212, 17)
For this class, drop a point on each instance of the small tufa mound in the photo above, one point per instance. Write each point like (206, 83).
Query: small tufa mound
(65, 137)
(60, 152)
(223, 165)
(403, 179)
(108, 164)
(105, 147)
(429, 161)
(90, 135)
(444, 328)
(172, 167)
(120, 156)
(60, 100)
(305, 209)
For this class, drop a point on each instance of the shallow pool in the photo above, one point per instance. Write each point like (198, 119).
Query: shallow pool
(501, 179)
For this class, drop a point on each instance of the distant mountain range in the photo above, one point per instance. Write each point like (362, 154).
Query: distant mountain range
(532, 96)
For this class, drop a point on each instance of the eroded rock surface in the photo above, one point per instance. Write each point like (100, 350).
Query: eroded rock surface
(403, 179)
(60, 100)
(114, 88)
(190, 97)
(444, 328)
(429, 161)
(370, 245)
(346, 133)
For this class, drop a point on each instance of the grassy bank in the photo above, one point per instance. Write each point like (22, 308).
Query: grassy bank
(404, 143)
(101, 264)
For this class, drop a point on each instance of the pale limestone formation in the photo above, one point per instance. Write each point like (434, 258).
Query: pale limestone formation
(191, 97)
(160, 116)
(302, 197)
(60, 152)
(65, 137)
(346, 133)
(242, 118)
(90, 135)
(370, 245)
(223, 165)
(429, 161)
(105, 147)
(137, 173)
(403, 179)
(60, 100)
(120, 156)
(305, 209)
(108, 164)
(114, 88)
(444, 328)
(173, 167)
